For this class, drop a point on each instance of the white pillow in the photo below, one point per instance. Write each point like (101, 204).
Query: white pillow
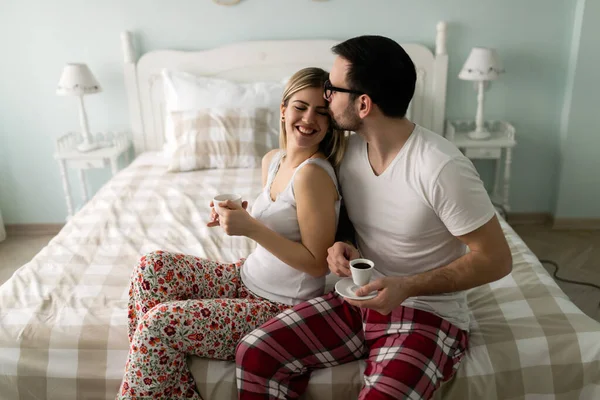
(221, 138)
(185, 92)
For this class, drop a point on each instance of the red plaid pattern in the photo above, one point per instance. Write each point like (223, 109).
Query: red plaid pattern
(408, 353)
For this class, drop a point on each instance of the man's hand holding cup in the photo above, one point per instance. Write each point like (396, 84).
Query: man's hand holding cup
(339, 256)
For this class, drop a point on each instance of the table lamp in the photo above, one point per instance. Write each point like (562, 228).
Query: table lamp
(78, 80)
(483, 65)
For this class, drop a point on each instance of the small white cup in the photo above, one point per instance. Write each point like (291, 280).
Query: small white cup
(224, 197)
(361, 276)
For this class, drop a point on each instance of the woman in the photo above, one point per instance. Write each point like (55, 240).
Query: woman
(183, 305)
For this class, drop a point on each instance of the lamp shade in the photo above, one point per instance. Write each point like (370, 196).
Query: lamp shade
(77, 80)
(482, 65)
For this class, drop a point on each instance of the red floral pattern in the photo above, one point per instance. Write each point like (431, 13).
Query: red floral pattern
(182, 305)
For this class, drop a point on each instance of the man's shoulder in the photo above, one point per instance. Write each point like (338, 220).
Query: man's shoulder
(435, 144)
(431, 152)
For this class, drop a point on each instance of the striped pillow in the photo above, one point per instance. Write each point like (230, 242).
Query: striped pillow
(221, 138)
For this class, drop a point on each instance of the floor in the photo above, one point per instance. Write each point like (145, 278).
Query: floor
(576, 252)
(18, 250)
(578, 255)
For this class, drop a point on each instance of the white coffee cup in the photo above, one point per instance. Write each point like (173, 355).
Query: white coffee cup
(237, 199)
(361, 276)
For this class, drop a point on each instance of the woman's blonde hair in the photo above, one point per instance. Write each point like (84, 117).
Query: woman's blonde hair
(333, 144)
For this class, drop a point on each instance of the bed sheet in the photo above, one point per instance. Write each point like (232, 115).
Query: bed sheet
(63, 319)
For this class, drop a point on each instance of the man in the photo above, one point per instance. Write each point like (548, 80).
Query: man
(416, 204)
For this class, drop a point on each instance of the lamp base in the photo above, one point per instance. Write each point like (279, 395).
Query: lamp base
(86, 146)
(479, 135)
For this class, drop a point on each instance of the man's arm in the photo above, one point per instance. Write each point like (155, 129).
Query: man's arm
(460, 202)
(489, 259)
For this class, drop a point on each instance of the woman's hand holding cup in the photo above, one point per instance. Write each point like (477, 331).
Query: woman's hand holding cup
(214, 206)
(229, 212)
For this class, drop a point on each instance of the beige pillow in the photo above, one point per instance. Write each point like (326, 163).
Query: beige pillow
(221, 138)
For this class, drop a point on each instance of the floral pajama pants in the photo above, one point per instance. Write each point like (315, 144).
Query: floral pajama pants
(182, 305)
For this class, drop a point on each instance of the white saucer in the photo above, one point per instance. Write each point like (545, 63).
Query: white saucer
(346, 288)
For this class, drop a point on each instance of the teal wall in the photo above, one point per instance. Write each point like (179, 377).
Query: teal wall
(578, 193)
(37, 37)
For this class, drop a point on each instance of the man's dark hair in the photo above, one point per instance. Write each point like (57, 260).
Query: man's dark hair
(380, 68)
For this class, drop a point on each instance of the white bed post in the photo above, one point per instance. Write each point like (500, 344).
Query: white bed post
(440, 79)
(133, 95)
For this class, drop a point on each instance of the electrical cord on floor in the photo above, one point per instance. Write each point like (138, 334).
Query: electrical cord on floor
(502, 212)
(555, 265)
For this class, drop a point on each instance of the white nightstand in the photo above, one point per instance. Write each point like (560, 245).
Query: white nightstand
(501, 141)
(113, 146)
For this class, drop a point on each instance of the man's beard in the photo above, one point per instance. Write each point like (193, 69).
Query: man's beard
(349, 121)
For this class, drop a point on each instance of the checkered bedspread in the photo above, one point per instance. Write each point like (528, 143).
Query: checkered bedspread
(63, 323)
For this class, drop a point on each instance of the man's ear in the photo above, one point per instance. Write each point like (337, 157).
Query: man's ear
(365, 105)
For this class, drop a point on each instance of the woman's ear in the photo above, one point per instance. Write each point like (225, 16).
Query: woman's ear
(282, 109)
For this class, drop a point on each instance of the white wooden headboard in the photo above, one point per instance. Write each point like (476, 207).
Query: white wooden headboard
(265, 60)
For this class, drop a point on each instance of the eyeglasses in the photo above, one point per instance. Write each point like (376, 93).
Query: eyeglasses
(329, 89)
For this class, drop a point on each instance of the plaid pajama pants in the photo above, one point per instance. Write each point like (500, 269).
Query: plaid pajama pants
(182, 305)
(408, 353)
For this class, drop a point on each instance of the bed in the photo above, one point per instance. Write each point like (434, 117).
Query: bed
(63, 321)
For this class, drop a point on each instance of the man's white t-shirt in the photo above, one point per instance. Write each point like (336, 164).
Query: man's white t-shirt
(407, 218)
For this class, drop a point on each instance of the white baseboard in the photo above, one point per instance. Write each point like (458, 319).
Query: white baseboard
(556, 223)
(587, 224)
(33, 229)
(513, 219)
(531, 218)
